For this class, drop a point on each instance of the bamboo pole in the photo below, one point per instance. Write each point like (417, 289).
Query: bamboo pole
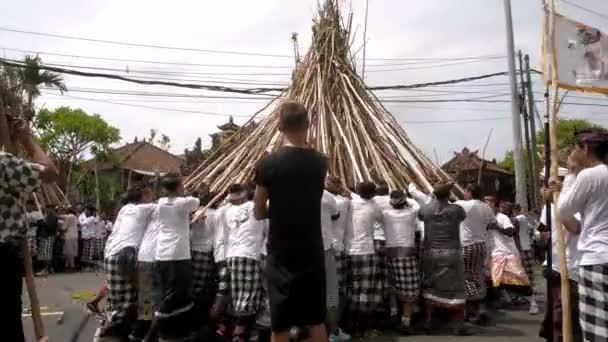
(359, 136)
(565, 284)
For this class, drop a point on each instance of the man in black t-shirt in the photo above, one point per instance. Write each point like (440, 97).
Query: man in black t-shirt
(292, 180)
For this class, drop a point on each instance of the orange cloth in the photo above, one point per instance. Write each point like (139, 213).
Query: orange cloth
(507, 269)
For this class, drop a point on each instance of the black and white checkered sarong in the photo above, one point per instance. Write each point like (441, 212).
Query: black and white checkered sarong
(203, 270)
(98, 249)
(341, 270)
(45, 248)
(88, 250)
(381, 268)
(263, 317)
(364, 295)
(527, 258)
(403, 277)
(474, 258)
(593, 302)
(245, 285)
(122, 294)
(223, 278)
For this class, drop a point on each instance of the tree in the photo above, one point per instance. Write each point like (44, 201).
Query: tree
(163, 142)
(565, 137)
(32, 77)
(508, 162)
(566, 130)
(69, 133)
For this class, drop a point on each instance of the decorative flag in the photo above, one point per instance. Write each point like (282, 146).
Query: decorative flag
(581, 52)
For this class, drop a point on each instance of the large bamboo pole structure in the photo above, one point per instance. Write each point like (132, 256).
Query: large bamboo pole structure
(361, 139)
(559, 230)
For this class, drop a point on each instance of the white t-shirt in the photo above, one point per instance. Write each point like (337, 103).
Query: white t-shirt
(202, 233)
(571, 240)
(129, 228)
(400, 225)
(383, 203)
(589, 197)
(174, 220)
(329, 208)
(219, 242)
(474, 227)
(100, 228)
(70, 226)
(418, 195)
(360, 232)
(503, 244)
(264, 250)
(342, 222)
(88, 226)
(147, 248)
(525, 232)
(245, 233)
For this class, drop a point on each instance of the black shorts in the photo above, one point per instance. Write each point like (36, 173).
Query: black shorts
(297, 297)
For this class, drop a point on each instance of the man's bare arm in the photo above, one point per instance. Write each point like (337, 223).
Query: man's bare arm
(260, 200)
(572, 225)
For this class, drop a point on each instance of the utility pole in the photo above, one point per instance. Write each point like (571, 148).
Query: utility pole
(524, 111)
(533, 143)
(520, 172)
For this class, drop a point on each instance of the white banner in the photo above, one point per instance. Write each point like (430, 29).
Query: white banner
(581, 52)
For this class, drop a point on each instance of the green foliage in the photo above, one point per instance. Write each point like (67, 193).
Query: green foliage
(68, 133)
(508, 162)
(565, 137)
(163, 142)
(565, 132)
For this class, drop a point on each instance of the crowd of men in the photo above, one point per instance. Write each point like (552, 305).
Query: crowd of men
(298, 249)
(66, 239)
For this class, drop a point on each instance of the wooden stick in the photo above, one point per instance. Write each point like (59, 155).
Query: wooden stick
(565, 283)
(31, 291)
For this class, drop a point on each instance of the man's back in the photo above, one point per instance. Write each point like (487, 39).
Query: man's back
(294, 178)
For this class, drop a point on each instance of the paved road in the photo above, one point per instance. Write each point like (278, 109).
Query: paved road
(56, 295)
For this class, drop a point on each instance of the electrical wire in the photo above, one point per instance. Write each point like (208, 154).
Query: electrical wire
(456, 121)
(157, 108)
(141, 45)
(146, 82)
(605, 16)
(7, 29)
(145, 61)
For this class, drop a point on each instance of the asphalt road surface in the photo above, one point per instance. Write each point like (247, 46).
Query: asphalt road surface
(66, 320)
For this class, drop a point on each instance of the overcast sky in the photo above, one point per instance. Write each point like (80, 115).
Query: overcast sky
(397, 29)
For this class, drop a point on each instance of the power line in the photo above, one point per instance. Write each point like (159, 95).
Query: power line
(161, 72)
(585, 9)
(436, 65)
(455, 121)
(168, 95)
(432, 59)
(157, 108)
(142, 45)
(146, 82)
(145, 61)
(6, 29)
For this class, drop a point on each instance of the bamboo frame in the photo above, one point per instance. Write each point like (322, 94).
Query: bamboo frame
(361, 139)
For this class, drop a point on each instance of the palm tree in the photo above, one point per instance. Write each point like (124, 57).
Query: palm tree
(32, 77)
